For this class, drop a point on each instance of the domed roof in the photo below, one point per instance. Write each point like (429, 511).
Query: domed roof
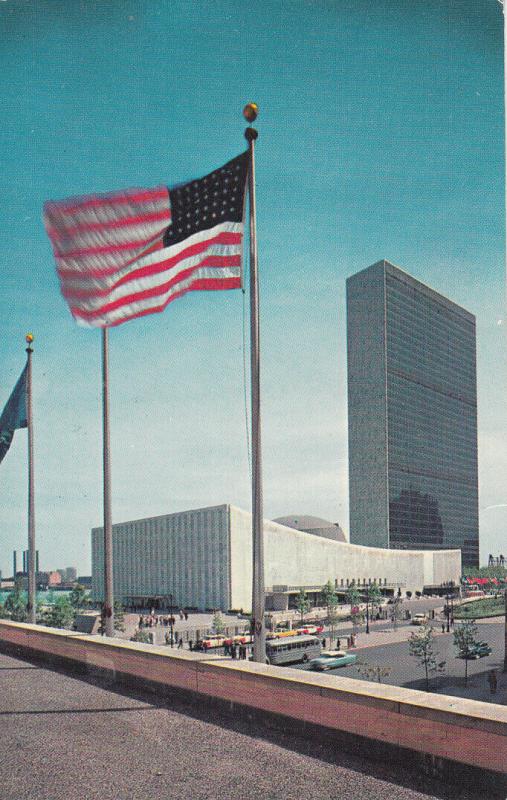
(315, 525)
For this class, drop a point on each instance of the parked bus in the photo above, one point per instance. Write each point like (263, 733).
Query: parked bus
(292, 649)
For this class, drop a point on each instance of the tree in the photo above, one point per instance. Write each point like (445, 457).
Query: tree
(61, 614)
(15, 604)
(353, 598)
(78, 596)
(119, 616)
(375, 595)
(422, 646)
(303, 605)
(373, 671)
(396, 611)
(331, 602)
(218, 623)
(465, 641)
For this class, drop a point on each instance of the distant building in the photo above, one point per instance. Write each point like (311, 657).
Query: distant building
(314, 525)
(85, 580)
(203, 559)
(412, 410)
(54, 578)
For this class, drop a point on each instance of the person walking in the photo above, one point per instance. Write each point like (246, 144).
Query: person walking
(443, 627)
(180, 644)
(337, 644)
(493, 681)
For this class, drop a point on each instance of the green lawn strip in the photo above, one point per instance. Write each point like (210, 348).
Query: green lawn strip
(480, 609)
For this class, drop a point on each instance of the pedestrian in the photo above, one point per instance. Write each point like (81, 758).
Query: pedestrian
(324, 643)
(337, 644)
(185, 615)
(190, 643)
(180, 644)
(492, 680)
(443, 627)
(181, 614)
(151, 637)
(233, 651)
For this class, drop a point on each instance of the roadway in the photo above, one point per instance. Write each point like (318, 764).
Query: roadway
(64, 737)
(404, 670)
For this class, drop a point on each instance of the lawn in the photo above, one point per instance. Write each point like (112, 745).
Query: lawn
(479, 609)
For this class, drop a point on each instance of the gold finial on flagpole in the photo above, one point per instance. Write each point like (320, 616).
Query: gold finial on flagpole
(250, 113)
(29, 340)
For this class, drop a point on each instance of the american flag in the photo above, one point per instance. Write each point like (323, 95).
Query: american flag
(126, 254)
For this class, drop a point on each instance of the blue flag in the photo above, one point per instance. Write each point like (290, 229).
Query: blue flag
(14, 414)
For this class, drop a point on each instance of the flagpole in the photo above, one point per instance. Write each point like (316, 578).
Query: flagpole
(258, 600)
(108, 526)
(31, 606)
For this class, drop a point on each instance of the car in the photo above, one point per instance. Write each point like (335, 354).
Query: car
(310, 629)
(419, 619)
(331, 659)
(480, 650)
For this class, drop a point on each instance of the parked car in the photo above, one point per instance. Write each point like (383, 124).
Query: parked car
(481, 650)
(332, 659)
(310, 629)
(419, 619)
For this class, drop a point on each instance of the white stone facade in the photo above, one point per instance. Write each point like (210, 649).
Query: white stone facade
(203, 558)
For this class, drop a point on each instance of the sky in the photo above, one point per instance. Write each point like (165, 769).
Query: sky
(380, 136)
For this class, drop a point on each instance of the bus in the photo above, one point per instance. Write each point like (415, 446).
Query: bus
(293, 649)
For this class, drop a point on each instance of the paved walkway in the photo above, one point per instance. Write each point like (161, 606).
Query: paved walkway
(67, 738)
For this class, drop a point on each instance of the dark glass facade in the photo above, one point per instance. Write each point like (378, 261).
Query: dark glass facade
(412, 415)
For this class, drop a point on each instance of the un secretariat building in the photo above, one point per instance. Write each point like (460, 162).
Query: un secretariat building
(412, 405)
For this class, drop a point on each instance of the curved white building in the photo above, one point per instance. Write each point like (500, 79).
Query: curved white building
(203, 558)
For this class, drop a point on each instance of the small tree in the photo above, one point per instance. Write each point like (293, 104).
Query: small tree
(15, 604)
(303, 605)
(331, 602)
(353, 597)
(77, 596)
(465, 642)
(61, 614)
(397, 611)
(373, 671)
(218, 623)
(119, 616)
(374, 597)
(421, 646)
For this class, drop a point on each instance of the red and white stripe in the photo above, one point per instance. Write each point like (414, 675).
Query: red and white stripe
(112, 263)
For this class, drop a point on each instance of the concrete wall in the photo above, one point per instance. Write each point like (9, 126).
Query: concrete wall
(296, 558)
(466, 732)
(184, 554)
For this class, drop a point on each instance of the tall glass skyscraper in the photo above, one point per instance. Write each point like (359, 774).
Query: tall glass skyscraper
(412, 406)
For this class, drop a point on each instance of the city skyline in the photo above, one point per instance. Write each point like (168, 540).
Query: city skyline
(380, 136)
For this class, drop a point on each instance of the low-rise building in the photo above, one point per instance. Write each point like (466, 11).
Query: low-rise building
(203, 558)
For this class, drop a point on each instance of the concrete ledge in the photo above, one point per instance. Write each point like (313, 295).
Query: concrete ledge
(442, 732)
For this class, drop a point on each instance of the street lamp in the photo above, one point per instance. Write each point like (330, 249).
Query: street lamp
(367, 609)
(447, 610)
